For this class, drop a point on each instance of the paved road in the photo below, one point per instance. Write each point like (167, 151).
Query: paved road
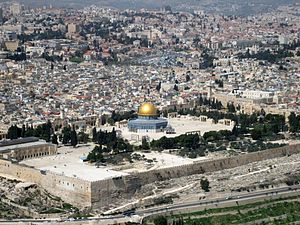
(139, 214)
(221, 201)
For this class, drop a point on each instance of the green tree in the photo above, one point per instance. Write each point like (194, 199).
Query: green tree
(54, 139)
(94, 134)
(145, 144)
(110, 121)
(82, 137)
(160, 220)
(23, 132)
(211, 136)
(235, 131)
(74, 140)
(205, 184)
(176, 87)
(113, 134)
(29, 131)
(66, 134)
(47, 131)
(96, 155)
(230, 107)
(294, 122)
(256, 133)
(14, 132)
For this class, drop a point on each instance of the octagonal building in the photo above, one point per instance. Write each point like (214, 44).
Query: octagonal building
(147, 121)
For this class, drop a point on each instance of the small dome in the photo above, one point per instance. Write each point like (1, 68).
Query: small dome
(147, 109)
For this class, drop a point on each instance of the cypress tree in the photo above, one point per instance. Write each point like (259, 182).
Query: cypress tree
(54, 139)
(293, 122)
(23, 131)
(74, 140)
(94, 134)
(66, 133)
(13, 132)
(48, 129)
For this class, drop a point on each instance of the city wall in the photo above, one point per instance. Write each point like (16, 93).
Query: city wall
(71, 190)
(215, 165)
(103, 192)
(106, 192)
(83, 193)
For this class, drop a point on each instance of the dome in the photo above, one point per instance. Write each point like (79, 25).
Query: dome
(147, 109)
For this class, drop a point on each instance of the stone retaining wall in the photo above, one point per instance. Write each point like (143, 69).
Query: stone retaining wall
(71, 190)
(84, 193)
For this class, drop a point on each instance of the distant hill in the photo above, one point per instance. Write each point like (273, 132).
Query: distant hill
(232, 7)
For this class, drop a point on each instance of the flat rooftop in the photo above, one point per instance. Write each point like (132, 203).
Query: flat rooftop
(18, 145)
(18, 141)
(68, 163)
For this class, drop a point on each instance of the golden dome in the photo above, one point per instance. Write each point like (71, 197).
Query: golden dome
(147, 109)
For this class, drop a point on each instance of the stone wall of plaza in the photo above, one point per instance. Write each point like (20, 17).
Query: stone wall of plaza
(215, 165)
(72, 190)
(83, 193)
(106, 192)
(103, 192)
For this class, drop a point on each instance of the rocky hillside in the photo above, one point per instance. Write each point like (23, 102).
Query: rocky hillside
(28, 200)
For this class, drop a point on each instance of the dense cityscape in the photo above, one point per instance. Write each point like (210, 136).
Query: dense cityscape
(149, 116)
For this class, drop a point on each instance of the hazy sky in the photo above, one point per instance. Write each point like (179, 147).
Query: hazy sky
(240, 7)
